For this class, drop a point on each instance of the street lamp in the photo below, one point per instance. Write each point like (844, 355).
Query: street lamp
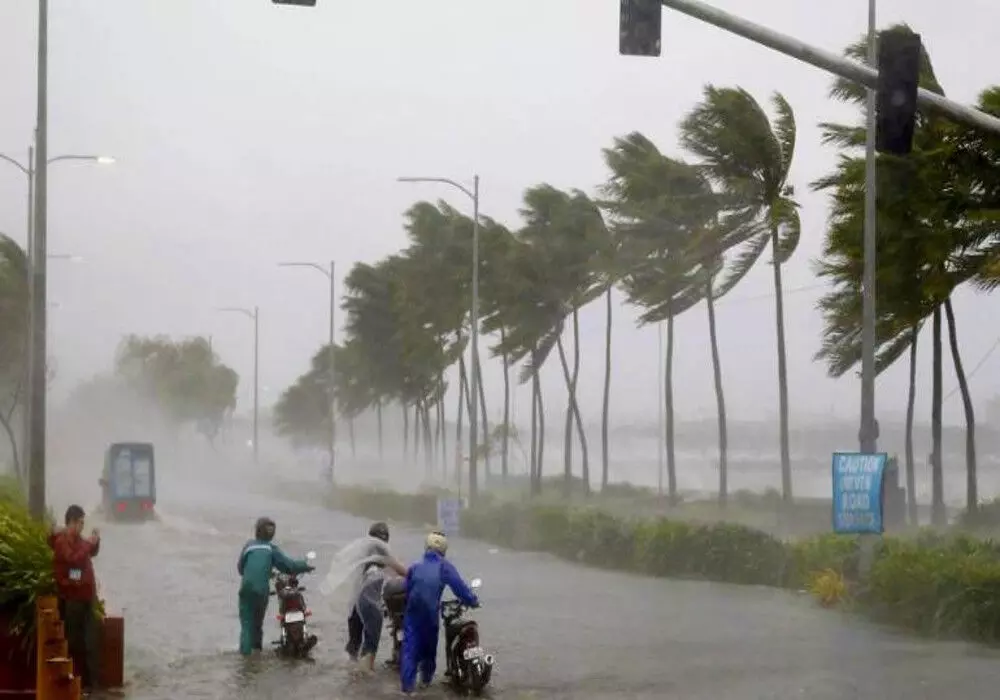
(253, 315)
(332, 437)
(29, 172)
(472, 194)
(37, 227)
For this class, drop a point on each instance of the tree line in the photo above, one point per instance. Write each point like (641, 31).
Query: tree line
(672, 231)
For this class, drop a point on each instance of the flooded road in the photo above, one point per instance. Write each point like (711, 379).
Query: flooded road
(557, 630)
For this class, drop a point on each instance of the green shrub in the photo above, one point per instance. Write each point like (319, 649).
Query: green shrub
(25, 561)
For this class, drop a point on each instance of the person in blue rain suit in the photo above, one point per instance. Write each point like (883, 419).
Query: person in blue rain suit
(257, 559)
(425, 583)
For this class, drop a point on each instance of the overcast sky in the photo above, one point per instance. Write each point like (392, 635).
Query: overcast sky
(247, 133)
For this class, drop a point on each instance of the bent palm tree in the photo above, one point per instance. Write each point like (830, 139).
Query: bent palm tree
(749, 159)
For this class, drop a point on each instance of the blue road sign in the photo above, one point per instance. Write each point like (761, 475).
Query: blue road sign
(857, 492)
(448, 512)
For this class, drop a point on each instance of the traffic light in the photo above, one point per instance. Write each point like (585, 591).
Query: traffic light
(896, 91)
(303, 3)
(639, 27)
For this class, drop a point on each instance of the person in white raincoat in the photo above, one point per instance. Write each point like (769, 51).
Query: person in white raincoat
(364, 624)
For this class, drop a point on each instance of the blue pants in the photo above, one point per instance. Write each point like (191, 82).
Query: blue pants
(253, 607)
(420, 641)
(364, 628)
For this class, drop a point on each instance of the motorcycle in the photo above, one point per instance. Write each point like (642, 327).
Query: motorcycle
(393, 607)
(295, 641)
(469, 666)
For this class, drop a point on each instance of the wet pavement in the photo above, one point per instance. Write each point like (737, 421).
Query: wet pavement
(557, 630)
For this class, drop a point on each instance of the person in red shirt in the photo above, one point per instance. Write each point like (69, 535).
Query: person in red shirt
(74, 574)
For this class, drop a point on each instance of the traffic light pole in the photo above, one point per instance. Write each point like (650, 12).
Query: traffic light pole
(868, 433)
(826, 60)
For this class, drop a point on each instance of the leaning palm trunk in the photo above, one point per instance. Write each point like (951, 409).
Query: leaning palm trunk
(378, 413)
(938, 515)
(971, 477)
(574, 412)
(416, 432)
(429, 446)
(350, 433)
(668, 406)
(484, 423)
(720, 399)
(584, 456)
(7, 423)
(533, 467)
(462, 391)
(504, 448)
(568, 428)
(406, 432)
(536, 380)
(911, 398)
(779, 310)
(605, 408)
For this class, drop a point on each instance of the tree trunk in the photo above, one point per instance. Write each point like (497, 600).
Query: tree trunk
(442, 436)
(533, 469)
(541, 424)
(606, 407)
(911, 476)
(779, 310)
(350, 431)
(484, 422)
(416, 432)
(584, 453)
(568, 427)
(429, 446)
(6, 421)
(378, 413)
(971, 472)
(462, 384)
(574, 411)
(668, 406)
(505, 447)
(720, 399)
(406, 432)
(939, 516)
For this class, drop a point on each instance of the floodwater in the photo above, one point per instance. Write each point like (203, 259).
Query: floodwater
(557, 630)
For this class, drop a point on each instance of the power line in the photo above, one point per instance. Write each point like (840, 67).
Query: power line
(975, 369)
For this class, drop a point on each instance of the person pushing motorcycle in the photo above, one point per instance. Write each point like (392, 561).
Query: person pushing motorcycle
(364, 624)
(425, 584)
(257, 559)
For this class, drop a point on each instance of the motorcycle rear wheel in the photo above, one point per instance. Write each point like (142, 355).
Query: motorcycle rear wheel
(477, 679)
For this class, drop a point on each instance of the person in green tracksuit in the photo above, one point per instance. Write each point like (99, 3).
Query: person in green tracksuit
(257, 558)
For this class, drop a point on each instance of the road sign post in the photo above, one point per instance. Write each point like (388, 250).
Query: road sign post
(858, 493)
(449, 515)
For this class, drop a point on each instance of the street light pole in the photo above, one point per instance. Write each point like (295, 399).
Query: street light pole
(868, 433)
(38, 266)
(254, 316)
(332, 432)
(29, 171)
(474, 318)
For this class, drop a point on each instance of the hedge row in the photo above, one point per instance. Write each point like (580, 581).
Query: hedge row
(936, 584)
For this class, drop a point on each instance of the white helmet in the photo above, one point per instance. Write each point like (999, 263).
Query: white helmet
(437, 542)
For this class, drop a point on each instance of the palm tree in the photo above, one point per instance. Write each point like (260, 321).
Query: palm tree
(749, 159)
(930, 227)
(563, 228)
(13, 340)
(648, 197)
